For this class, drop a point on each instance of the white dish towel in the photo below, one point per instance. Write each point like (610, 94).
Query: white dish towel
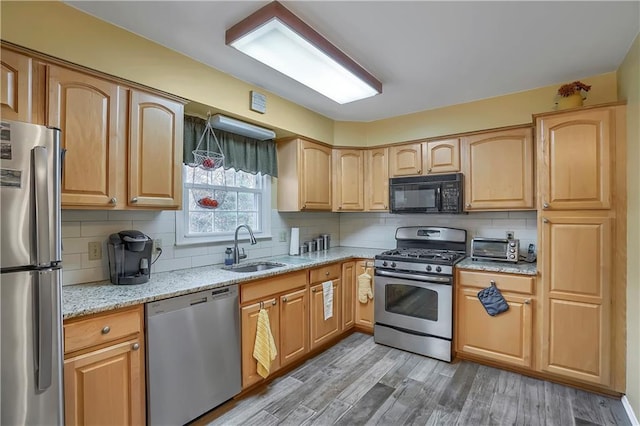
(327, 299)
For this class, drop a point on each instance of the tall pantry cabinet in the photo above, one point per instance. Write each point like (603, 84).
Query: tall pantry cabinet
(581, 233)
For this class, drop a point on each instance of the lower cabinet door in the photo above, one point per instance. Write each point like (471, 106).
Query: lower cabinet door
(348, 277)
(364, 311)
(323, 330)
(106, 386)
(506, 337)
(249, 322)
(294, 335)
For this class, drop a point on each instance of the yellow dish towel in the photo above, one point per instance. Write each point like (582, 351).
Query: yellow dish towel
(264, 349)
(364, 287)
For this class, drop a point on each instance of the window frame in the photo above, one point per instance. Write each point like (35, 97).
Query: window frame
(182, 216)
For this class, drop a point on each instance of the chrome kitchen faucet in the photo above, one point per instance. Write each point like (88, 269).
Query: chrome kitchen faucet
(236, 253)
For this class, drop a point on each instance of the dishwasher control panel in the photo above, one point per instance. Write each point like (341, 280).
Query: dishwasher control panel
(185, 301)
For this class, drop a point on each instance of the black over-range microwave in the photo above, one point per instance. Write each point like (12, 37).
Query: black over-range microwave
(426, 194)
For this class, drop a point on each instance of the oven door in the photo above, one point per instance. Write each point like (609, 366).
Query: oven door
(414, 197)
(424, 307)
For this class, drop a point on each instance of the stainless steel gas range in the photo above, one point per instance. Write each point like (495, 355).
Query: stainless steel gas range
(414, 290)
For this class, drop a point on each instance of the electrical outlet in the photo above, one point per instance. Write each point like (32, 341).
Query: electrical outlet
(157, 244)
(510, 235)
(283, 236)
(95, 250)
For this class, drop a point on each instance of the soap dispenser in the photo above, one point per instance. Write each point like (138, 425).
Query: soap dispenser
(228, 258)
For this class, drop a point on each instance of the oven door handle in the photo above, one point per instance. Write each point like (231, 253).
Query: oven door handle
(430, 279)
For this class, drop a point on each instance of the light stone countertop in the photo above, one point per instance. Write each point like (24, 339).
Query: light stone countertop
(521, 268)
(85, 299)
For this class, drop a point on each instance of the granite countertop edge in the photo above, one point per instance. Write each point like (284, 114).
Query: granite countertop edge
(520, 268)
(91, 298)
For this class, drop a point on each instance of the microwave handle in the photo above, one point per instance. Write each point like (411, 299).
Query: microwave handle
(439, 198)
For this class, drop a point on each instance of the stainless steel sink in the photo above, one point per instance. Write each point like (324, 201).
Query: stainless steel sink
(254, 267)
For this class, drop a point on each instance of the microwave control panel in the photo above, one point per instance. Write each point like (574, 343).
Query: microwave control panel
(451, 200)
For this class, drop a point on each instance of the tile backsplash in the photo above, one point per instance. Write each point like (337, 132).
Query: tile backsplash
(372, 230)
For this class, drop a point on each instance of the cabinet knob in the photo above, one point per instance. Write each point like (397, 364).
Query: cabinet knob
(527, 301)
(134, 200)
(313, 290)
(467, 205)
(326, 273)
(545, 220)
(284, 299)
(135, 346)
(492, 282)
(545, 205)
(304, 206)
(385, 207)
(106, 329)
(339, 207)
(113, 200)
(274, 303)
(419, 171)
(429, 170)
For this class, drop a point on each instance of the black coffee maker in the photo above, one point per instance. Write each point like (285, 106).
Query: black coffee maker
(129, 257)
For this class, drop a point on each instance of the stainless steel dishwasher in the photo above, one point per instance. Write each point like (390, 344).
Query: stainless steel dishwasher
(193, 354)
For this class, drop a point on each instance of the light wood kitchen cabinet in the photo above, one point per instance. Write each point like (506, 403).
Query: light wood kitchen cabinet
(442, 156)
(498, 170)
(104, 379)
(405, 160)
(249, 321)
(323, 330)
(155, 151)
(348, 277)
(88, 111)
(576, 271)
(364, 311)
(506, 338)
(286, 300)
(376, 181)
(304, 175)
(574, 159)
(21, 88)
(294, 326)
(348, 180)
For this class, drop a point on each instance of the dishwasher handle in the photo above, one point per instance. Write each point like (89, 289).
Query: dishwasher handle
(188, 300)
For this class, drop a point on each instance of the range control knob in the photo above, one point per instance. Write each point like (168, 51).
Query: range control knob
(512, 250)
(393, 264)
(512, 256)
(428, 268)
(384, 263)
(438, 269)
(512, 244)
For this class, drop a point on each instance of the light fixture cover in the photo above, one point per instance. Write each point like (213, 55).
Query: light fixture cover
(276, 37)
(242, 128)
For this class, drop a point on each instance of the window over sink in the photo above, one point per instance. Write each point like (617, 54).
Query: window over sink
(215, 202)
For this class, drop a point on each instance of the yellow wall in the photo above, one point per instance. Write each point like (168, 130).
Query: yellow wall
(66, 33)
(629, 90)
(507, 110)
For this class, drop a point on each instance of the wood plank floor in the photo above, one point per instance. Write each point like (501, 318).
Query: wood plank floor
(358, 382)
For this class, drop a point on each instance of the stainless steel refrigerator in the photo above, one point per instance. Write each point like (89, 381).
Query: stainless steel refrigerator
(31, 275)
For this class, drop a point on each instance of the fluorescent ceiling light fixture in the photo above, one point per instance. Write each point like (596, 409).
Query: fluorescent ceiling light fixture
(278, 38)
(240, 127)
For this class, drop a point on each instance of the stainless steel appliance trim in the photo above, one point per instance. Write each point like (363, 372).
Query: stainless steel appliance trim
(44, 307)
(41, 210)
(443, 327)
(431, 233)
(420, 344)
(416, 277)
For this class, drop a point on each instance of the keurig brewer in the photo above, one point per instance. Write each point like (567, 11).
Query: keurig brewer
(129, 257)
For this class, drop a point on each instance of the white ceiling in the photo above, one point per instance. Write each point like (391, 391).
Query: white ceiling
(426, 54)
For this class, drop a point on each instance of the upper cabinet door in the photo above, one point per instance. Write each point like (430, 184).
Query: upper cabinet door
(86, 109)
(442, 156)
(405, 160)
(498, 170)
(16, 87)
(155, 151)
(314, 176)
(348, 183)
(574, 160)
(377, 179)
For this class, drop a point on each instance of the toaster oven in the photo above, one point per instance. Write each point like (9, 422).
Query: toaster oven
(504, 250)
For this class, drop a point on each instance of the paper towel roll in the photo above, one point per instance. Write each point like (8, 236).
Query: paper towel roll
(295, 241)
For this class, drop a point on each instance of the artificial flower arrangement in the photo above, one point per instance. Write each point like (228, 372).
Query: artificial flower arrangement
(569, 89)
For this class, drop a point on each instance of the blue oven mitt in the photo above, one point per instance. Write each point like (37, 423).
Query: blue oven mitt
(492, 300)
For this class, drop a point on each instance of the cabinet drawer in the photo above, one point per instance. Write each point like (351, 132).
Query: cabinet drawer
(326, 273)
(102, 328)
(262, 289)
(504, 282)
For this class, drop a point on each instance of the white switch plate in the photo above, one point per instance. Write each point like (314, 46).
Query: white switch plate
(95, 250)
(283, 236)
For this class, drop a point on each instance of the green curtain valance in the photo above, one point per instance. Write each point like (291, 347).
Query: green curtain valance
(240, 152)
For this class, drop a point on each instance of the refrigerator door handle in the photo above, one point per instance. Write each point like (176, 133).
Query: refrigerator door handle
(44, 356)
(41, 187)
